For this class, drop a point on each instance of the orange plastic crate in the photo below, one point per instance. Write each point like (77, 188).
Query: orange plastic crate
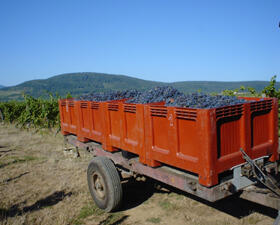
(68, 116)
(207, 141)
(202, 141)
(91, 125)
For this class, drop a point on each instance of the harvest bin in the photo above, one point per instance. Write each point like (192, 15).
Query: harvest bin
(205, 142)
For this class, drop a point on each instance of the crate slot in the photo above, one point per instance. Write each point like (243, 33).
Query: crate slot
(113, 107)
(130, 108)
(264, 105)
(71, 104)
(95, 105)
(186, 114)
(84, 105)
(159, 112)
(229, 111)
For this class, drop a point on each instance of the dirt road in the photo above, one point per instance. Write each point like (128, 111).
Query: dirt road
(40, 183)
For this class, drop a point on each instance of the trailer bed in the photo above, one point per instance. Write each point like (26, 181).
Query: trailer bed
(182, 180)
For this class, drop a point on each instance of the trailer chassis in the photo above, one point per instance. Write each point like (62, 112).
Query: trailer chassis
(245, 181)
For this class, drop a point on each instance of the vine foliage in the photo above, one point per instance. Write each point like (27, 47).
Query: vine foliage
(32, 112)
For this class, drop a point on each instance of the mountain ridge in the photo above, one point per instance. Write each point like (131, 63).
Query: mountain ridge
(84, 82)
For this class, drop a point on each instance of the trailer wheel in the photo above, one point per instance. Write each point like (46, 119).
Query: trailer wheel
(104, 183)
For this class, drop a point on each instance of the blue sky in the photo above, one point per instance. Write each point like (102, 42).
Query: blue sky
(149, 39)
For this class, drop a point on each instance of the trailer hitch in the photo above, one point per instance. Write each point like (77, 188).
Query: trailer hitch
(267, 181)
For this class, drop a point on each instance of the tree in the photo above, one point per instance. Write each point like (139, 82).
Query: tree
(270, 90)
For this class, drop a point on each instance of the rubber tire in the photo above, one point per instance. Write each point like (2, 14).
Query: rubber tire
(113, 188)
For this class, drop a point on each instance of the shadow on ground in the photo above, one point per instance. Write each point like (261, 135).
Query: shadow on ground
(137, 192)
(14, 178)
(50, 200)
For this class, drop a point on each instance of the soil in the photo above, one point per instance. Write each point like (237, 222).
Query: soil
(42, 183)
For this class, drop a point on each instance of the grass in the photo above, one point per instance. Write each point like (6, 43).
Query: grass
(113, 218)
(52, 171)
(86, 211)
(154, 220)
(93, 210)
(253, 220)
(165, 204)
(15, 160)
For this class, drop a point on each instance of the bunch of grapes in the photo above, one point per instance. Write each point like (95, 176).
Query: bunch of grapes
(203, 101)
(156, 94)
(167, 94)
(109, 95)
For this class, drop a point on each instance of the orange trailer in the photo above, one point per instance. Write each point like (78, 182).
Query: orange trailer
(180, 137)
(211, 153)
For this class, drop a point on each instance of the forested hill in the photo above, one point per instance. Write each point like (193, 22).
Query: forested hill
(79, 83)
(74, 83)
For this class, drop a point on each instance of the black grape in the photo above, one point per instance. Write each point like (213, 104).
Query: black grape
(109, 95)
(203, 101)
(167, 94)
(156, 94)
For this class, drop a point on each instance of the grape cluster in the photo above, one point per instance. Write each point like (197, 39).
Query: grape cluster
(156, 94)
(203, 101)
(109, 95)
(167, 94)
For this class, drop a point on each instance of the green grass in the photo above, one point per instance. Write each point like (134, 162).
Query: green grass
(153, 220)
(165, 204)
(85, 212)
(113, 218)
(93, 210)
(10, 95)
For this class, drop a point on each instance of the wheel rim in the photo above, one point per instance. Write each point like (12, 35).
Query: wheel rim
(98, 185)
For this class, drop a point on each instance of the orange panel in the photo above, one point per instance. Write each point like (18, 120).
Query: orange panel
(84, 117)
(188, 145)
(131, 126)
(260, 128)
(160, 140)
(68, 116)
(133, 129)
(228, 134)
(97, 117)
(115, 128)
(131, 132)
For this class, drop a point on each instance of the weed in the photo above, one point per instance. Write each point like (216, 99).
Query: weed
(153, 220)
(165, 204)
(113, 218)
(85, 212)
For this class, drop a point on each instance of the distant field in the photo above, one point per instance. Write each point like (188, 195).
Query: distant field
(41, 183)
(10, 95)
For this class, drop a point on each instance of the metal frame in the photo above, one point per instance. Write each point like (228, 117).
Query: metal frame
(186, 181)
(180, 179)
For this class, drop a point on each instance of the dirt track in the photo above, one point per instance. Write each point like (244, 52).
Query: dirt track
(42, 184)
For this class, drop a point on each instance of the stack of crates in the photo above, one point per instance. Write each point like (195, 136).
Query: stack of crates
(205, 142)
